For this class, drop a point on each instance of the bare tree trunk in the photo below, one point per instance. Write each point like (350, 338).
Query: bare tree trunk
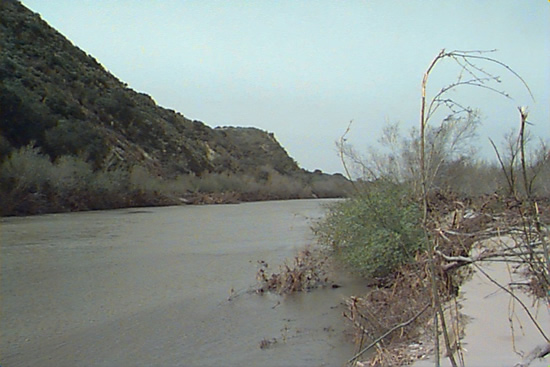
(523, 114)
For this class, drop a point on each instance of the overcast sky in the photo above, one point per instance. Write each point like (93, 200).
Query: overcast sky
(304, 69)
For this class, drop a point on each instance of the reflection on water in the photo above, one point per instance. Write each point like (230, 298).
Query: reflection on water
(151, 288)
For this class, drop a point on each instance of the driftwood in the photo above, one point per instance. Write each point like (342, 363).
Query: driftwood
(380, 338)
(539, 352)
(508, 255)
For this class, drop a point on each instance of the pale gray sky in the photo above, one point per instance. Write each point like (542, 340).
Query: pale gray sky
(304, 69)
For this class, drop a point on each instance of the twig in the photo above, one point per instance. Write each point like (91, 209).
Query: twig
(538, 352)
(509, 179)
(517, 299)
(491, 256)
(377, 340)
(467, 54)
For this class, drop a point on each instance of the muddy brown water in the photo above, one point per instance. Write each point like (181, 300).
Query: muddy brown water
(150, 287)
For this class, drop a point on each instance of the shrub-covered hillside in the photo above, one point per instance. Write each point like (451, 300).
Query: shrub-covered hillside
(59, 105)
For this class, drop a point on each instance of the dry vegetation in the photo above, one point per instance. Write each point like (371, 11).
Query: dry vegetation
(420, 208)
(394, 321)
(416, 308)
(307, 270)
(74, 137)
(30, 183)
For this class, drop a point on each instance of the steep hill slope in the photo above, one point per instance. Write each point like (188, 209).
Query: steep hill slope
(64, 101)
(69, 123)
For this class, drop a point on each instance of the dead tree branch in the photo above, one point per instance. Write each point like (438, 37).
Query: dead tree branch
(539, 351)
(381, 337)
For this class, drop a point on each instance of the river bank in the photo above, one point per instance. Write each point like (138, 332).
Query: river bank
(496, 329)
(118, 189)
(36, 204)
(31, 183)
(489, 264)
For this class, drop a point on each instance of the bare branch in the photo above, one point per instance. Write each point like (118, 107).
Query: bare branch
(539, 351)
(380, 338)
(516, 298)
(490, 59)
(507, 175)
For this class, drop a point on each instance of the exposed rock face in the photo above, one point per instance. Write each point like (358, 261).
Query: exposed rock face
(62, 100)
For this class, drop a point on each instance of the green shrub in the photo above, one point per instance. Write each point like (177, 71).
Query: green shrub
(24, 118)
(374, 232)
(74, 137)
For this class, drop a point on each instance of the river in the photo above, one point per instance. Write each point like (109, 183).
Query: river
(150, 287)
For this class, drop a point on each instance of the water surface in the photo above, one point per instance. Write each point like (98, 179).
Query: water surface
(150, 287)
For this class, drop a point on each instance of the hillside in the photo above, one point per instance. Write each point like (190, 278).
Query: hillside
(54, 94)
(56, 101)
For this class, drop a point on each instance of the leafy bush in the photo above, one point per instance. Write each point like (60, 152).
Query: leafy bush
(374, 232)
(75, 137)
(22, 116)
